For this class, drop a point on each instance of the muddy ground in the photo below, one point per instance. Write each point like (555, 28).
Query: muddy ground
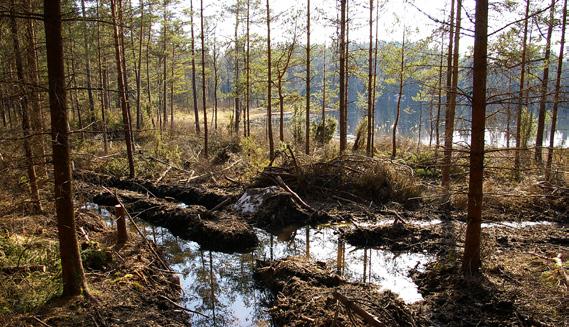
(524, 279)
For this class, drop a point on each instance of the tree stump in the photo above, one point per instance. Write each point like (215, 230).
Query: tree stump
(122, 233)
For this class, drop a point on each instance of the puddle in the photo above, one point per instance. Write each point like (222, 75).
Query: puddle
(101, 211)
(221, 285)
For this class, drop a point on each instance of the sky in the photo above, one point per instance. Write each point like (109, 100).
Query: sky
(393, 16)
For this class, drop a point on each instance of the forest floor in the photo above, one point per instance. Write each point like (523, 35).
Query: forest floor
(379, 204)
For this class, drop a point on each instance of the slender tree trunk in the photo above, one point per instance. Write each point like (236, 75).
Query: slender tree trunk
(74, 99)
(431, 122)
(215, 82)
(194, 88)
(471, 262)
(347, 79)
(343, 123)
(248, 77)
(36, 115)
(440, 98)
(125, 71)
(71, 266)
(281, 108)
(102, 84)
(369, 82)
(451, 104)
(398, 110)
(509, 115)
(122, 91)
(557, 95)
(324, 90)
(517, 159)
(307, 122)
(544, 84)
(172, 77)
(165, 65)
(88, 64)
(237, 116)
(204, 81)
(32, 178)
(374, 80)
(139, 115)
(147, 55)
(269, 96)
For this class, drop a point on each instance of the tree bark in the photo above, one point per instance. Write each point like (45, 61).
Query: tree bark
(398, 110)
(269, 96)
(236, 66)
(342, 109)
(71, 266)
(165, 65)
(194, 88)
(440, 98)
(28, 153)
(203, 81)
(102, 83)
(248, 72)
(88, 64)
(517, 159)
(557, 96)
(544, 84)
(307, 122)
(451, 103)
(139, 115)
(471, 262)
(122, 91)
(369, 81)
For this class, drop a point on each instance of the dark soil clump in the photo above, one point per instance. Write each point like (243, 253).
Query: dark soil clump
(396, 237)
(305, 296)
(217, 231)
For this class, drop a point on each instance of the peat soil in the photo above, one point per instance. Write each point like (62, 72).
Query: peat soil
(525, 245)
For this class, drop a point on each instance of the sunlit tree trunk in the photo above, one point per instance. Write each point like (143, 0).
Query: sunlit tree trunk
(237, 117)
(215, 82)
(471, 262)
(374, 79)
(88, 63)
(451, 102)
(165, 64)
(139, 115)
(342, 109)
(269, 96)
(307, 122)
(398, 109)
(248, 72)
(102, 84)
(517, 159)
(204, 81)
(24, 105)
(557, 95)
(369, 82)
(440, 98)
(544, 84)
(194, 87)
(71, 266)
(122, 91)
(324, 89)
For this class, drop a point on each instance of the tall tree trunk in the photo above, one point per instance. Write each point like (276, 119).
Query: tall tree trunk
(194, 88)
(71, 266)
(215, 82)
(88, 63)
(307, 132)
(398, 109)
(74, 99)
(204, 81)
(471, 261)
(28, 153)
(269, 96)
(165, 64)
(172, 73)
(517, 159)
(440, 98)
(139, 115)
(237, 116)
(36, 116)
(248, 72)
(122, 91)
(509, 115)
(342, 109)
(281, 107)
(147, 55)
(544, 84)
(102, 84)
(369, 81)
(125, 70)
(374, 80)
(347, 79)
(557, 95)
(451, 103)
(324, 90)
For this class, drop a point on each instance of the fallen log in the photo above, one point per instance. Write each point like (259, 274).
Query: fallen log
(211, 230)
(189, 195)
(9, 270)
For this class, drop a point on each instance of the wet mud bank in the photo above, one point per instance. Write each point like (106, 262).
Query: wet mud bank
(213, 230)
(187, 194)
(311, 294)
